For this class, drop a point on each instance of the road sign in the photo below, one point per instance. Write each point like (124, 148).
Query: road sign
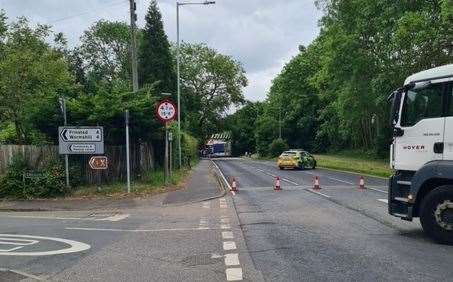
(166, 111)
(99, 162)
(81, 140)
(81, 134)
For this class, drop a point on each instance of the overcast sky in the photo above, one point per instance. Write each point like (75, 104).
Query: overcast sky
(262, 34)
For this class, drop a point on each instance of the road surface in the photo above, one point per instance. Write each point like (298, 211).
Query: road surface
(339, 233)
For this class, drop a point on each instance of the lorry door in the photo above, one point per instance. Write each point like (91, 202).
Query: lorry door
(422, 122)
(448, 137)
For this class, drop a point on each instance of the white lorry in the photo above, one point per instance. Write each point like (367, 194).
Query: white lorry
(422, 152)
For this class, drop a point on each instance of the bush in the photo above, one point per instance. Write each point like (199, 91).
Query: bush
(21, 182)
(277, 147)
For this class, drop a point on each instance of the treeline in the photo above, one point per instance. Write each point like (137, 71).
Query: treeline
(332, 95)
(37, 68)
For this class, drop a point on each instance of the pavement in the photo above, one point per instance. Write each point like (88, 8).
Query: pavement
(339, 233)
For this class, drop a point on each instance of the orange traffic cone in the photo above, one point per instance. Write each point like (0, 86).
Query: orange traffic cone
(277, 186)
(316, 185)
(234, 185)
(361, 183)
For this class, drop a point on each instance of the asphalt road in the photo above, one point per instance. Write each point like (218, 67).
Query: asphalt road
(178, 236)
(340, 233)
(337, 234)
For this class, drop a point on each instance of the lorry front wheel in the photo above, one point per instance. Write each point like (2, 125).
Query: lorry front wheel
(436, 214)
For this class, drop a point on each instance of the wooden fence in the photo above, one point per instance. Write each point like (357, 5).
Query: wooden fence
(142, 160)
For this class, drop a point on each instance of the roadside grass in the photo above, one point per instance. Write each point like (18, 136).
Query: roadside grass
(151, 183)
(354, 162)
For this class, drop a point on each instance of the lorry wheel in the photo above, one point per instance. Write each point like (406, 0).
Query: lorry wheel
(436, 214)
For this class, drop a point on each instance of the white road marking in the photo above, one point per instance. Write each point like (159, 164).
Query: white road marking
(234, 274)
(377, 190)
(17, 243)
(289, 181)
(225, 220)
(223, 177)
(207, 205)
(339, 180)
(136, 230)
(117, 217)
(231, 259)
(319, 193)
(75, 246)
(113, 218)
(229, 245)
(383, 200)
(23, 274)
(227, 235)
(225, 226)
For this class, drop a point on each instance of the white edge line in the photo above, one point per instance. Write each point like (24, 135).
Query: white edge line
(223, 177)
(319, 193)
(377, 190)
(137, 230)
(383, 200)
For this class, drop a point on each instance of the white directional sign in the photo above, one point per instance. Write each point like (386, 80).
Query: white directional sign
(81, 140)
(81, 134)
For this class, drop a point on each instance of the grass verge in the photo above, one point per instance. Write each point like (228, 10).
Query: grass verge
(151, 183)
(357, 163)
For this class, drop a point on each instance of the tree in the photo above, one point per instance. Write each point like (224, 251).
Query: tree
(211, 83)
(105, 51)
(155, 60)
(33, 76)
(242, 125)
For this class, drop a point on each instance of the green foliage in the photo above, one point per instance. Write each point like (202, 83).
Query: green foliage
(189, 148)
(211, 83)
(332, 94)
(155, 60)
(21, 182)
(277, 147)
(242, 125)
(105, 51)
(33, 75)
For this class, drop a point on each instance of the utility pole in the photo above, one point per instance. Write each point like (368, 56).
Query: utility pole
(133, 8)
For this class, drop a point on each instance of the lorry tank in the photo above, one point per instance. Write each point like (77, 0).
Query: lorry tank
(421, 153)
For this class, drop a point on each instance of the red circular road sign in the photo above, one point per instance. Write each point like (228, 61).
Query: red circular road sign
(99, 162)
(166, 111)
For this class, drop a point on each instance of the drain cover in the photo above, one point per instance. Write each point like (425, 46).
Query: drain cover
(202, 259)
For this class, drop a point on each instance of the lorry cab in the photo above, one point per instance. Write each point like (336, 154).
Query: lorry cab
(421, 152)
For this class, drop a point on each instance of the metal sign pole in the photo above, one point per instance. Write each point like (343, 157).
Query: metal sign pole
(170, 139)
(128, 168)
(66, 157)
(166, 155)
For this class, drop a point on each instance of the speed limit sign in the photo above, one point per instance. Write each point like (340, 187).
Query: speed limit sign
(166, 111)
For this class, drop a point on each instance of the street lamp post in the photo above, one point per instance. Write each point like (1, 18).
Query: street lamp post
(178, 73)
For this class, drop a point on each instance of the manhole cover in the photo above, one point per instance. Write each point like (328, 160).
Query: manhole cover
(202, 259)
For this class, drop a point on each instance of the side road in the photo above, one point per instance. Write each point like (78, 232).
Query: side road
(201, 185)
(177, 236)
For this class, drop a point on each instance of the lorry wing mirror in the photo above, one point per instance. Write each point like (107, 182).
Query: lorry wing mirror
(395, 97)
